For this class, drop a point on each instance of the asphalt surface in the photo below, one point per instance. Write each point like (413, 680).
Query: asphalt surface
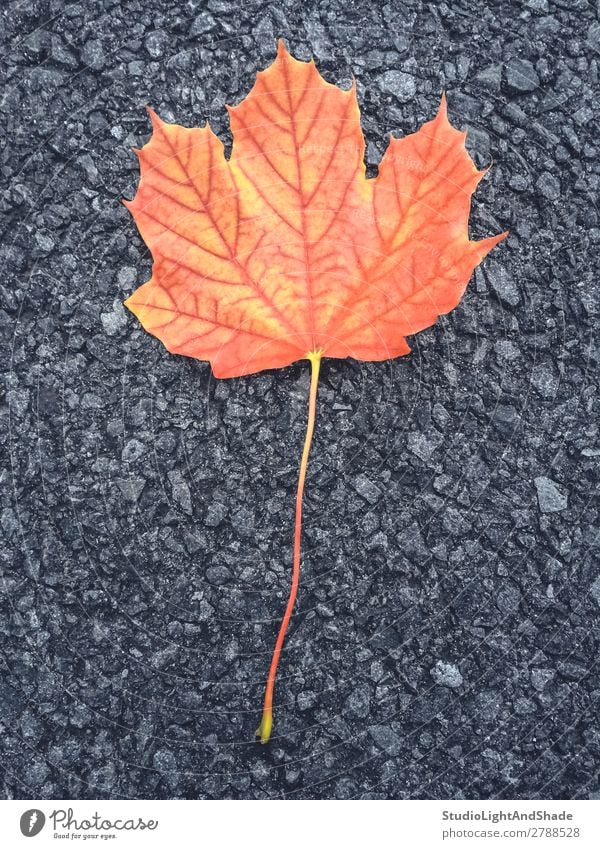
(445, 643)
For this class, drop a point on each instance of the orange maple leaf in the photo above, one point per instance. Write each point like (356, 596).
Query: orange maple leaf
(287, 251)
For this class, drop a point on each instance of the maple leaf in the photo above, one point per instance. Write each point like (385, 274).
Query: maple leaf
(287, 251)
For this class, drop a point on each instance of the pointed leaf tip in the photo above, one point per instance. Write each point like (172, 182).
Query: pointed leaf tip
(484, 246)
(155, 118)
(443, 107)
(481, 172)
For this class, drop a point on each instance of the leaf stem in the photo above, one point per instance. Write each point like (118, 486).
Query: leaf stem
(264, 729)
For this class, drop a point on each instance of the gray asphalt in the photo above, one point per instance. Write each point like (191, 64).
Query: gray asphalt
(445, 643)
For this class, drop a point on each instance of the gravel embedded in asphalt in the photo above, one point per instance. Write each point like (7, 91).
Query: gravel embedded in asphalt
(451, 518)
